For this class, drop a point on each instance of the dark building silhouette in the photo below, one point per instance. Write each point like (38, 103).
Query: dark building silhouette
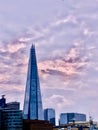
(37, 125)
(3, 102)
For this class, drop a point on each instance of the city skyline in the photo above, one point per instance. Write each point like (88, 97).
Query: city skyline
(65, 34)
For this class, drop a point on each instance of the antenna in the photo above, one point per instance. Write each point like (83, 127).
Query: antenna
(33, 45)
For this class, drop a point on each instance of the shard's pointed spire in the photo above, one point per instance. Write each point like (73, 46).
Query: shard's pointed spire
(33, 103)
(33, 46)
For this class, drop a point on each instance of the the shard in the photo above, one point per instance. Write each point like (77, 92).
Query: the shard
(33, 102)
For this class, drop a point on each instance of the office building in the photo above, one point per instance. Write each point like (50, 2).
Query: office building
(49, 115)
(10, 116)
(65, 118)
(12, 120)
(33, 102)
(13, 105)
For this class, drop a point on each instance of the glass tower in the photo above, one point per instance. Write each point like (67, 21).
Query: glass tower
(49, 114)
(33, 102)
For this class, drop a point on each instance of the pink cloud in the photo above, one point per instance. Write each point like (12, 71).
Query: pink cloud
(68, 66)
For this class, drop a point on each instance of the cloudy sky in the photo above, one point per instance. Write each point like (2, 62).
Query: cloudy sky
(65, 33)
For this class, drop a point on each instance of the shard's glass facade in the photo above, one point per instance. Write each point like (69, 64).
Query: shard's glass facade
(33, 102)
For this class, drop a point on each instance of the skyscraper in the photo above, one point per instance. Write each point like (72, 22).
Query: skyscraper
(33, 102)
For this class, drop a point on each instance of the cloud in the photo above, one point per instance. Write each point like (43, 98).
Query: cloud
(67, 51)
(58, 101)
(67, 65)
(14, 48)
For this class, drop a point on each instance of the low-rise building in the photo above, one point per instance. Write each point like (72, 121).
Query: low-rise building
(13, 105)
(65, 118)
(36, 125)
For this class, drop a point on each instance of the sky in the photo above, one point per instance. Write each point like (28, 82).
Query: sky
(65, 33)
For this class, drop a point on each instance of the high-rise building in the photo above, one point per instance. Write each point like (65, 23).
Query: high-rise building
(49, 114)
(33, 102)
(65, 118)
